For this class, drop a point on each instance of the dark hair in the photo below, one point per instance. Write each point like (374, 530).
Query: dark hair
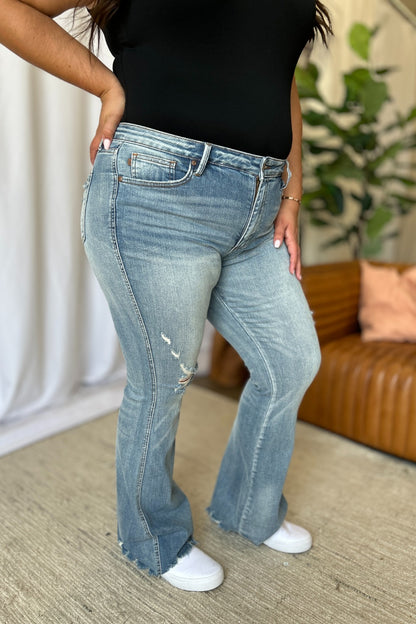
(323, 23)
(103, 10)
(100, 14)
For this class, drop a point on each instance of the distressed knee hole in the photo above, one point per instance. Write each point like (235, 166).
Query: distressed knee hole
(187, 376)
(188, 372)
(184, 381)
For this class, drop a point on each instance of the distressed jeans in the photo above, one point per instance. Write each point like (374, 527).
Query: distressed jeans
(177, 231)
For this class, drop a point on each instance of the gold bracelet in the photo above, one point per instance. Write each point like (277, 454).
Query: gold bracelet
(293, 198)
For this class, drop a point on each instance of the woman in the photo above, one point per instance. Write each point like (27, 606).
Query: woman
(191, 212)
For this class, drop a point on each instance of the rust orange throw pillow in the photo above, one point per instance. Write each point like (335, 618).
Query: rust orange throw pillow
(387, 303)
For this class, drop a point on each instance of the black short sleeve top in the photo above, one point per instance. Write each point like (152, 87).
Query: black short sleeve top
(217, 71)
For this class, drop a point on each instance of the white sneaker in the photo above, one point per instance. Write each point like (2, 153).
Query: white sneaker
(290, 538)
(195, 571)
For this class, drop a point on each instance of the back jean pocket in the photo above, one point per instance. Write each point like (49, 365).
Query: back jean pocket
(148, 166)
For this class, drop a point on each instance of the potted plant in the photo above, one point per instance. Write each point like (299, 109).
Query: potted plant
(353, 158)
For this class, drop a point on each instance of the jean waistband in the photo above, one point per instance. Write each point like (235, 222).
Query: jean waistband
(264, 166)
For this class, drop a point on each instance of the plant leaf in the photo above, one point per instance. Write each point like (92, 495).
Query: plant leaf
(406, 181)
(366, 202)
(317, 222)
(322, 120)
(411, 115)
(403, 199)
(332, 242)
(373, 96)
(371, 248)
(329, 198)
(306, 81)
(389, 153)
(315, 148)
(359, 39)
(383, 71)
(335, 198)
(363, 90)
(354, 81)
(401, 121)
(361, 141)
(341, 167)
(382, 215)
(410, 142)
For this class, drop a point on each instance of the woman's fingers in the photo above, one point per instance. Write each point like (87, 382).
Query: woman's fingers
(94, 145)
(104, 134)
(112, 109)
(294, 255)
(286, 231)
(299, 266)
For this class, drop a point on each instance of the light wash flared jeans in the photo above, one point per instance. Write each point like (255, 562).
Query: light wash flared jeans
(177, 231)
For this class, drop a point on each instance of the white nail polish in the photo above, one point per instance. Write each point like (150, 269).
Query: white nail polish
(107, 143)
(277, 243)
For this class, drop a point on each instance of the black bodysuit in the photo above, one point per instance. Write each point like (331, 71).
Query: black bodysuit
(217, 71)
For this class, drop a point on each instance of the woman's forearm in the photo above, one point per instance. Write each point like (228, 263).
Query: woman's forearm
(294, 187)
(27, 28)
(35, 37)
(286, 224)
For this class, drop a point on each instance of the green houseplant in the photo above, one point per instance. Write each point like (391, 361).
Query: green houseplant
(353, 157)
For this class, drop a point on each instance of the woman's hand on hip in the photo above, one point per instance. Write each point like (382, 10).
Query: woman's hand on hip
(286, 231)
(113, 102)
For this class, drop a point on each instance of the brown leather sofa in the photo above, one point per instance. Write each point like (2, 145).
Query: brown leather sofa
(364, 391)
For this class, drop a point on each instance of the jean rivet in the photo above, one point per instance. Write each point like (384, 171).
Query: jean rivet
(120, 178)
(193, 162)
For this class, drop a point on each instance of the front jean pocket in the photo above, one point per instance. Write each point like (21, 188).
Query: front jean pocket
(147, 166)
(86, 187)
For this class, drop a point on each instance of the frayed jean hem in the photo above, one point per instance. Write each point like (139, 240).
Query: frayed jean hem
(186, 548)
(230, 529)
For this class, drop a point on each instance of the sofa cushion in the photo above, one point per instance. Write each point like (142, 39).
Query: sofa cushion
(387, 303)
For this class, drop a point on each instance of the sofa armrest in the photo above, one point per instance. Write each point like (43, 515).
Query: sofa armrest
(333, 292)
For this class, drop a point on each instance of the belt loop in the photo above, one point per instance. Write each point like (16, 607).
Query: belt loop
(204, 159)
(263, 161)
(288, 175)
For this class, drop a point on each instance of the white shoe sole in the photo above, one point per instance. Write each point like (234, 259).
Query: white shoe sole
(204, 583)
(291, 539)
(292, 549)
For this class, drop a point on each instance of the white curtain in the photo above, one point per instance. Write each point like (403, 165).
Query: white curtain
(60, 359)
(56, 332)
